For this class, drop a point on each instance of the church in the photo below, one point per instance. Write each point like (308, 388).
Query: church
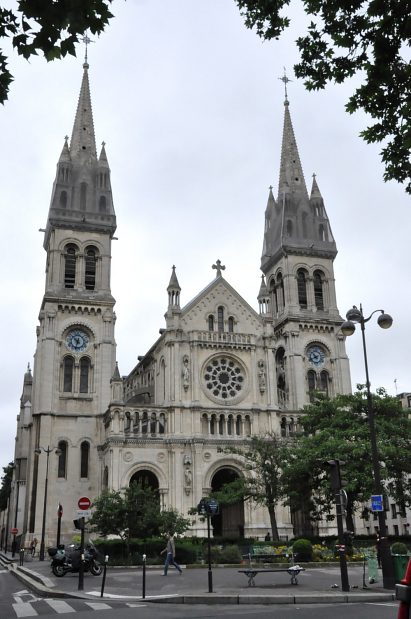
(219, 372)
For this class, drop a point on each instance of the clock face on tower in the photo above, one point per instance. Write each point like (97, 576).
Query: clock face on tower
(77, 340)
(315, 355)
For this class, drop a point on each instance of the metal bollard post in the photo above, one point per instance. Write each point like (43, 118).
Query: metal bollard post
(144, 576)
(21, 556)
(103, 584)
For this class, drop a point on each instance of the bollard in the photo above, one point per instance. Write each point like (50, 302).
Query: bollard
(21, 556)
(103, 584)
(144, 576)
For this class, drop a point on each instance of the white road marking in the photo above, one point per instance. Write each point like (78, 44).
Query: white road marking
(24, 609)
(130, 605)
(98, 605)
(59, 606)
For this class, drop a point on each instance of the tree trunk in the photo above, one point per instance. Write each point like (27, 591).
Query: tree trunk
(273, 521)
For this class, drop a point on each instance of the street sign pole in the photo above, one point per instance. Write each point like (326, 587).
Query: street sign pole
(81, 568)
(210, 573)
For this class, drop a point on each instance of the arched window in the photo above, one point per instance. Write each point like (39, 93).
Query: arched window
(83, 196)
(318, 290)
(90, 270)
(63, 199)
(279, 293)
(289, 227)
(311, 379)
(84, 458)
(70, 259)
(324, 382)
(62, 459)
(231, 324)
(283, 426)
(84, 374)
(211, 323)
(321, 232)
(102, 204)
(220, 318)
(302, 288)
(68, 369)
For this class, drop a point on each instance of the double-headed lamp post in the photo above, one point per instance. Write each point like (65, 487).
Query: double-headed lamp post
(43, 526)
(384, 320)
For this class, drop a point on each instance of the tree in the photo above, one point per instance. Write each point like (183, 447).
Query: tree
(338, 429)
(135, 513)
(370, 38)
(263, 458)
(51, 27)
(5, 489)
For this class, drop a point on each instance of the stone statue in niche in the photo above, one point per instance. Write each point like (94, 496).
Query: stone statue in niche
(186, 372)
(188, 480)
(261, 375)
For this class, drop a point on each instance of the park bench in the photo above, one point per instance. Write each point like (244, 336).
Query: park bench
(251, 572)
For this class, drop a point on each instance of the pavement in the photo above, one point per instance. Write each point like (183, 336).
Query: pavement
(318, 584)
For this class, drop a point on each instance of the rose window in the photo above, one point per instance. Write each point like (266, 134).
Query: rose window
(224, 378)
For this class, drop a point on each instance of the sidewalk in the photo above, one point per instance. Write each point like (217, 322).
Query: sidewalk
(315, 585)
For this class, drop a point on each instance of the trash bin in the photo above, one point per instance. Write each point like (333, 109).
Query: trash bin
(400, 565)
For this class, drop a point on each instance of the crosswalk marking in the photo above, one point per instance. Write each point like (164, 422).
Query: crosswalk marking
(24, 609)
(98, 605)
(59, 606)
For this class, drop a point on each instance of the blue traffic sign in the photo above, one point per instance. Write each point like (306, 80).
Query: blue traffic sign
(377, 503)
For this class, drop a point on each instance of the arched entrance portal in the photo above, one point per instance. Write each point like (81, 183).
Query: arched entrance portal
(145, 479)
(230, 520)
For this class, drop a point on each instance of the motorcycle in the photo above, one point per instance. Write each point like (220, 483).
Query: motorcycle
(63, 561)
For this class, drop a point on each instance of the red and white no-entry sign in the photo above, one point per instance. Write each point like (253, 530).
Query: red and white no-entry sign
(84, 503)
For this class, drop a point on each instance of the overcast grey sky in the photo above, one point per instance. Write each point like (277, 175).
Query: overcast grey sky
(190, 106)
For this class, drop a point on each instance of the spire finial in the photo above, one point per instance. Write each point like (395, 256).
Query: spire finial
(86, 40)
(219, 267)
(285, 81)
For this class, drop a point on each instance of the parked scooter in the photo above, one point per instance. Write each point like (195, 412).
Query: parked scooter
(68, 560)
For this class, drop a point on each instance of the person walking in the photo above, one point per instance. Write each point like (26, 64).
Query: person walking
(170, 551)
(33, 546)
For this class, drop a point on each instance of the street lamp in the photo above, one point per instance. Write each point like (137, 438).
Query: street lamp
(16, 508)
(43, 526)
(384, 320)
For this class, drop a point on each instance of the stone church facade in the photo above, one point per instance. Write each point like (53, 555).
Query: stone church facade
(220, 371)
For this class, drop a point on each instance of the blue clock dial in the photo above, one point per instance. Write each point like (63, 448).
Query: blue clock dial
(316, 355)
(77, 340)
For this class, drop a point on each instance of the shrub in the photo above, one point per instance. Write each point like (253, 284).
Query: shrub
(303, 550)
(230, 554)
(398, 548)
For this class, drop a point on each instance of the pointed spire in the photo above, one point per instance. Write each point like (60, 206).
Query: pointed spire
(116, 373)
(65, 153)
(173, 290)
(102, 160)
(291, 171)
(83, 141)
(315, 192)
(263, 289)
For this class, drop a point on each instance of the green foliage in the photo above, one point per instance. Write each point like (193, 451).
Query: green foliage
(338, 429)
(303, 549)
(50, 27)
(187, 552)
(135, 513)
(398, 548)
(5, 488)
(344, 38)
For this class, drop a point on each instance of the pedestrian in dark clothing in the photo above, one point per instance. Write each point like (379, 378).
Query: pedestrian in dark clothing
(170, 551)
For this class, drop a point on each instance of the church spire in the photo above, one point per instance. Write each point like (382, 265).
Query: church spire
(83, 141)
(173, 290)
(291, 171)
(81, 197)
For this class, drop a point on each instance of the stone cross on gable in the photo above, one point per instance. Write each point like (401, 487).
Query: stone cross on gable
(220, 267)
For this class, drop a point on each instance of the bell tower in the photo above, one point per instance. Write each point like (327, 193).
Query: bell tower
(299, 291)
(76, 352)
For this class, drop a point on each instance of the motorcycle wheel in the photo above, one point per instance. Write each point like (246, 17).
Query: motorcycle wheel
(96, 569)
(58, 570)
